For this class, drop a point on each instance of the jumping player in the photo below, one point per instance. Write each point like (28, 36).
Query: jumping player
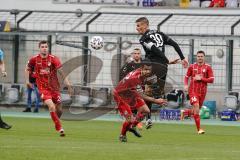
(153, 43)
(201, 74)
(128, 99)
(46, 66)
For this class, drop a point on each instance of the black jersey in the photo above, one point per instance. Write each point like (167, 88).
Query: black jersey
(154, 42)
(128, 67)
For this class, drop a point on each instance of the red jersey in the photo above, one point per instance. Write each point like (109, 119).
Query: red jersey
(127, 87)
(45, 71)
(199, 87)
(130, 82)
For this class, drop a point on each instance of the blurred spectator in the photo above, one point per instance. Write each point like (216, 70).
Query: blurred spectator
(205, 3)
(231, 3)
(133, 62)
(30, 89)
(195, 4)
(184, 3)
(217, 3)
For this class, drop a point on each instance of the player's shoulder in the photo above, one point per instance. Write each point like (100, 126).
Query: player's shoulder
(52, 56)
(137, 72)
(192, 65)
(207, 65)
(34, 57)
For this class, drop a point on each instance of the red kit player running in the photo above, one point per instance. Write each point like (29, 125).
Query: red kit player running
(201, 74)
(128, 99)
(46, 66)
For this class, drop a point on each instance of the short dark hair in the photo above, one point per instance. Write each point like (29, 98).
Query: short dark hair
(146, 62)
(42, 42)
(202, 52)
(143, 19)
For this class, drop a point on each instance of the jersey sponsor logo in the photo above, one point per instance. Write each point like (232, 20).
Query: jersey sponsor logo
(157, 38)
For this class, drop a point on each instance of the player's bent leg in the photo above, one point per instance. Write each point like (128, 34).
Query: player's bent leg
(132, 128)
(185, 113)
(149, 104)
(145, 111)
(197, 117)
(123, 138)
(125, 127)
(4, 125)
(149, 92)
(202, 97)
(54, 116)
(59, 110)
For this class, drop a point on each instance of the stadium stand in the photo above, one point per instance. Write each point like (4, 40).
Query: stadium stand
(65, 97)
(15, 93)
(100, 97)
(81, 96)
(230, 102)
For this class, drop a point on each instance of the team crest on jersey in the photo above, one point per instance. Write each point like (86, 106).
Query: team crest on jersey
(204, 70)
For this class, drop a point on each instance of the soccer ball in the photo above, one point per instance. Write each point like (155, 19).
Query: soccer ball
(96, 42)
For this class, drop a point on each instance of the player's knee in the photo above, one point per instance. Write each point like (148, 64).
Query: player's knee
(146, 110)
(196, 110)
(59, 113)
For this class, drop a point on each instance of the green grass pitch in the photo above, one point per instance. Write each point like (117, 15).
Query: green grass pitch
(35, 139)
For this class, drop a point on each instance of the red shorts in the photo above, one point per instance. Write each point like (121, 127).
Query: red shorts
(124, 106)
(196, 98)
(53, 95)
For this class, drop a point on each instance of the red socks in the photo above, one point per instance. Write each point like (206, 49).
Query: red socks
(125, 127)
(56, 121)
(197, 121)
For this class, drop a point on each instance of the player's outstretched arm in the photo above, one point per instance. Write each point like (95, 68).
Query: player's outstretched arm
(177, 49)
(175, 61)
(185, 63)
(159, 101)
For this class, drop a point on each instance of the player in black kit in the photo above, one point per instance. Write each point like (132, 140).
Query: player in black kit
(153, 43)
